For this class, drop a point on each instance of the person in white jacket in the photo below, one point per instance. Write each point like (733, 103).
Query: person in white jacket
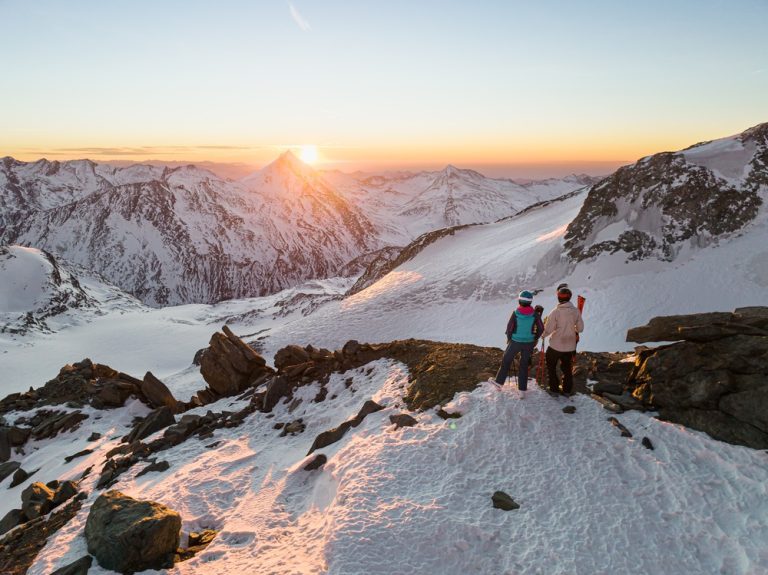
(561, 328)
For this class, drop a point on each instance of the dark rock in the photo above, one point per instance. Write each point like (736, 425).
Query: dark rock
(156, 420)
(79, 567)
(351, 348)
(69, 458)
(647, 443)
(113, 393)
(289, 356)
(5, 444)
(36, 500)
(8, 468)
(667, 328)
(19, 477)
(448, 415)
(569, 409)
(614, 387)
(127, 535)
(58, 422)
(625, 400)
(94, 436)
(202, 538)
(718, 425)
(229, 365)
(317, 462)
(11, 519)
(616, 423)
(18, 436)
(332, 436)
(158, 394)
(503, 501)
(278, 388)
(65, 491)
(294, 427)
(158, 466)
(749, 406)
(402, 420)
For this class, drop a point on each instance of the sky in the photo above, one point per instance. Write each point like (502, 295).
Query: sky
(508, 87)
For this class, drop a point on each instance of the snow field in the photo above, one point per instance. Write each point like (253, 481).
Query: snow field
(418, 500)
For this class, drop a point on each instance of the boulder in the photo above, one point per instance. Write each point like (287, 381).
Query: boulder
(79, 567)
(666, 328)
(402, 420)
(317, 462)
(11, 519)
(5, 444)
(156, 420)
(158, 394)
(278, 388)
(504, 502)
(64, 492)
(229, 365)
(19, 477)
(128, 535)
(750, 406)
(36, 500)
(289, 356)
(18, 436)
(158, 466)
(8, 468)
(703, 327)
(113, 393)
(569, 409)
(57, 422)
(333, 435)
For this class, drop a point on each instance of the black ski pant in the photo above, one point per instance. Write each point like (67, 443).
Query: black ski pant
(566, 365)
(525, 350)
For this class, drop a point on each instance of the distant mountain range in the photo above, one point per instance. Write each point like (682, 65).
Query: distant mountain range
(184, 235)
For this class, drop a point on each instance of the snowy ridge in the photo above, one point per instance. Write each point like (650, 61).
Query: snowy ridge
(39, 294)
(693, 505)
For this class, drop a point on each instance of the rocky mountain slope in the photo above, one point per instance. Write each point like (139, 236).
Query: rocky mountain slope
(182, 235)
(41, 295)
(665, 202)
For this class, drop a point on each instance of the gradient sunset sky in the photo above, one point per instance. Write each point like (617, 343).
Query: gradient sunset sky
(493, 85)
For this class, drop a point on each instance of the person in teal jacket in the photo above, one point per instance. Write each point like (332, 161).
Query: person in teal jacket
(523, 331)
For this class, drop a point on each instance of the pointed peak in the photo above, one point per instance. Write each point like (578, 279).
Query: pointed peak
(288, 161)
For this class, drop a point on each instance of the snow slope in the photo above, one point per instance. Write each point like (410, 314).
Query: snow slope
(418, 500)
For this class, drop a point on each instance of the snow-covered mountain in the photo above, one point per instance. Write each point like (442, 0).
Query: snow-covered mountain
(183, 235)
(668, 201)
(38, 294)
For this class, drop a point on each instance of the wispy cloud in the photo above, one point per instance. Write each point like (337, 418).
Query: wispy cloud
(142, 151)
(298, 18)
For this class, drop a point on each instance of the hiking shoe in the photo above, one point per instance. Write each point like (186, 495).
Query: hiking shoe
(521, 393)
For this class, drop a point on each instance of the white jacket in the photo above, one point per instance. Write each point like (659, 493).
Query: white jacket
(561, 327)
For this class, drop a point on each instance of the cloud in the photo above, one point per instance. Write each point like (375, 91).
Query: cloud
(298, 18)
(142, 151)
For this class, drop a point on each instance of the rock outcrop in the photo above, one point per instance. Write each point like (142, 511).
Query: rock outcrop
(714, 380)
(127, 535)
(229, 365)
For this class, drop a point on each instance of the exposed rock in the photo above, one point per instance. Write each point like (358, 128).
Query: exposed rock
(332, 436)
(294, 427)
(278, 388)
(36, 500)
(11, 519)
(8, 468)
(290, 355)
(503, 501)
(317, 462)
(156, 420)
(196, 543)
(79, 567)
(18, 436)
(65, 491)
(441, 413)
(69, 458)
(113, 393)
(94, 436)
(158, 466)
(229, 365)
(647, 443)
(5, 444)
(569, 409)
(402, 420)
(20, 476)
(158, 394)
(58, 421)
(127, 535)
(616, 423)
(603, 387)
(625, 400)
(19, 548)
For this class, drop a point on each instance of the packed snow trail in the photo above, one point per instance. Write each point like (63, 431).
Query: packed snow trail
(418, 500)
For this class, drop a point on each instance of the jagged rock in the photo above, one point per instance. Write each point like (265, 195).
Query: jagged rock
(36, 500)
(156, 420)
(278, 388)
(113, 393)
(503, 501)
(19, 477)
(79, 567)
(155, 466)
(647, 443)
(11, 519)
(289, 356)
(69, 458)
(229, 365)
(402, 420)
(8, 468)
(317, 462)
(158, 394)
(65, 491)
(332, 436)
(127, 535)
(58, 422)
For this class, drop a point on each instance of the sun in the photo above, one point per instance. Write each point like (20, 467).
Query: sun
(308, 154)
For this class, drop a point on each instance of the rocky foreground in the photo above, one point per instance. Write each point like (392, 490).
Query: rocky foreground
(715, 380)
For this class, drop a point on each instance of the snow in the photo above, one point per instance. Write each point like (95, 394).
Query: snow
(419, 499)
(25, 279)
(728, 158)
